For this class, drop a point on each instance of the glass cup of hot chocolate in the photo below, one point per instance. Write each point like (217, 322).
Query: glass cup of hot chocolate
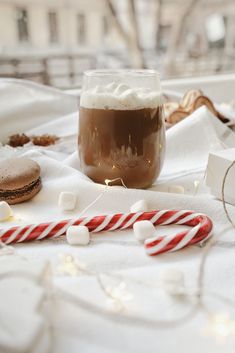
(121, 127)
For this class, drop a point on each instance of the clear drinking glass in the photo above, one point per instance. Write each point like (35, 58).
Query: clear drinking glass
(121, 126)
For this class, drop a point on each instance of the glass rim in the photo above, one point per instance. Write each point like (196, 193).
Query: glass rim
(120, 72)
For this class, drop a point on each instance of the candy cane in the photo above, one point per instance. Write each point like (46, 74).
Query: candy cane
(201, 231)
(202, 227)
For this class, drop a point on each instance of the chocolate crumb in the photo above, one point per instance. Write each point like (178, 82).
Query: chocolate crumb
(18, 140)
(44, 140)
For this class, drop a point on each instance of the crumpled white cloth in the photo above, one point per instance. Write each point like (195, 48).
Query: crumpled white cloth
(25, 105)
(188, 146)
(24, 301)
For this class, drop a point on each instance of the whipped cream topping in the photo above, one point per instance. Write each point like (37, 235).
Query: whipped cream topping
(120, 97)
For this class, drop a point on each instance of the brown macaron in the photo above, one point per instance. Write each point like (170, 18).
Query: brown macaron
(19, 180)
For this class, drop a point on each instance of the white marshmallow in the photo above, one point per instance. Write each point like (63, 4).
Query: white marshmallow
(121, 88)
(67, 201)
(176, 189)
(139, 206)
(5, 211)
(111, 86)
(172, 280)
(143, 230)
(129, 97)
(78, 235)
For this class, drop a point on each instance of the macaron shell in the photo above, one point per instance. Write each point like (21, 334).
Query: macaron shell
(19, 180)
(15, 173)
(26, 196)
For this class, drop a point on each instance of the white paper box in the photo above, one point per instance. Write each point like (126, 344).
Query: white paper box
(218, 163)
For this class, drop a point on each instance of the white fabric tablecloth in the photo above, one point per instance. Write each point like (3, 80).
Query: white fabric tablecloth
(30, 108)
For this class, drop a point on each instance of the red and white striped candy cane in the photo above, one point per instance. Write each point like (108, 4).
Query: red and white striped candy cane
(201, 231)
(202, 227)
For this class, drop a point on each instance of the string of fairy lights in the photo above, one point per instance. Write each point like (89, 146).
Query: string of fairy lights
(218, 324)
(115, 288)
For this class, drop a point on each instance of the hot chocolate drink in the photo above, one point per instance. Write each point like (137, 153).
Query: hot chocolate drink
(121, 135)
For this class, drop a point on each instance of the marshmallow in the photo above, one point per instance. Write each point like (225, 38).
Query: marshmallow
(78, 235)
(99, 89)
(111, 86)
(129, 97)
(121, 97)
(143, 230)
(67, 201)
(120, 89)
(172, 280)
(139, 206)
(5, 211)
(176, 189)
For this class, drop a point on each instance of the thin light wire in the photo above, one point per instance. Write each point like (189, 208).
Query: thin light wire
(107, 182)
(223, 192)
(125, 319)
(212, 242)
(200, 292)
(141, 321)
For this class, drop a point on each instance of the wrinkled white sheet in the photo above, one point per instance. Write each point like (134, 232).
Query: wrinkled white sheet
(36, 109)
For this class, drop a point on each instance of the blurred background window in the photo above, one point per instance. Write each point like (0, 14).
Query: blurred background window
(81, 26)
(53, 42)
(105, 25)
(53, 27)
(22, 24)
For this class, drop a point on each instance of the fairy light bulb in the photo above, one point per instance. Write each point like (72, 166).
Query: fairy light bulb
(66, 265)
(118, 296)
(196, 186)
(69, 266)
(220, 326)
(108, 181)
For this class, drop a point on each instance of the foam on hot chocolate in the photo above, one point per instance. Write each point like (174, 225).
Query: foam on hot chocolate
(120, 97)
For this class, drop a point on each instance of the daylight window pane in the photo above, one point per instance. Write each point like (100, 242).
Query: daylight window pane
(22, 24)
(81, 28)
(53, 27)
